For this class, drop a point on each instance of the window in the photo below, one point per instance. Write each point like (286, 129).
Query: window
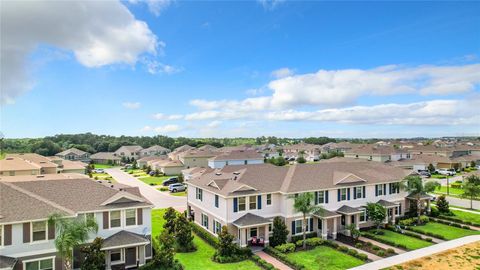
(269, 199)
(46, 264)
(252, 202)
(398, 210)
(217, 227)
(253, 232)
(363, 215)
(242, 201)
(394, 188)
(270, 229)
(320, 197)
(204, 220)
(298, 226)
(216, 201)
(380, 190)
(115, 221)
(199, 194)
(39, 230)
(358, 192)
(116, 256)
(131, 217)
(246, 162)
(343, 194)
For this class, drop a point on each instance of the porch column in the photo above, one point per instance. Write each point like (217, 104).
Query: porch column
(141, 255)
(357, 221)
(386, 215)
(348, 221)
(267, 235)
(334, 232)
(428, 207)
(242, 237)
(324, 228)
(107, 260)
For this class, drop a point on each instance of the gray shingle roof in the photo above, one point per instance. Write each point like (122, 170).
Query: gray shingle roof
(105, 155)
(413, 196)
(324, 213)
(250, 219)
(72, 150)
(7, 262)
(387, 203)
(345, 209)
(124, 238)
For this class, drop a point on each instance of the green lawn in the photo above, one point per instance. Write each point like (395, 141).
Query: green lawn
(449, 232)
(180, 194)
(156, 180)
(325, 258)
(452, 191)
(200, 259)
(102, 176)
(410, 242)
(466, 216)
(102, 166)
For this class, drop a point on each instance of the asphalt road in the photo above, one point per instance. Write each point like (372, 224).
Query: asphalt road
(159, 199)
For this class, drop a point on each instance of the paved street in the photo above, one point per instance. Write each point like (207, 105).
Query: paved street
(462, 202)
(159, 199)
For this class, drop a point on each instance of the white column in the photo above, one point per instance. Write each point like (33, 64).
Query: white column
(357, 221)
(324, 228)
(334, 231)
(141, 255)
(348, 221)
(107, 260)
(386, 215)
(267, 235)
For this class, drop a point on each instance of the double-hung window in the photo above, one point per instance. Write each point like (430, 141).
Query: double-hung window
(130, 217)
(216, 200)
(394, 188)
(252, 202)
(39, 230)
(115, 219)
(343, 194)
(217, 227)
(199, 194)
(298, 226)
(380, 190)
(320, 197)
(45, 264)
(358, 192)
(204, 220)
(363, 215)
(242, 203)
(269, 199)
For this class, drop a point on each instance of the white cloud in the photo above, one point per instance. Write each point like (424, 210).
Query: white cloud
(161, 116)
(98, 33)
(146, 129)
(167, 129)
(282, 73)
(270, 4)
(214, 124)
(131, 105)
(156, 67)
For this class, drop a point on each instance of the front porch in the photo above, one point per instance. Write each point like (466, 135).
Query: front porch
(252, 231)
(125, 250)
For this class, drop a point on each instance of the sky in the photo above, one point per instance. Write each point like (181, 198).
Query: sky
(240, 69)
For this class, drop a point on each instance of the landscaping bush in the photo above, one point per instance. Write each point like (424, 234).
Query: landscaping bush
(262, 263)
(286, 248)
(428, 239)
(202, 233)
(283, 258)
(456, 185)
(376, 248)
(406, 222)
(314, 241)
(294, 239)
(352, 252)
(342, 248)
(434, 212)
(362, 256)
(390, 250)
(424, 219)
(358, 245)
(299, 243)
(381, 253)
(466, 227)
(427, 233)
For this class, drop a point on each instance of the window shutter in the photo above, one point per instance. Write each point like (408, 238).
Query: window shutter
(105, 220)
(326, 196)
(338, 194)
(259, 201)
(7, 234)
(354, 193)
(293, 227)
(311, 224)
(390, 188)
(400, 209)
(139, 216)
(348, 194)
(364, 193)
(26, 232)
(376, 190)
(51, 231)
(235, 205)
(316, 197)
(384, 189)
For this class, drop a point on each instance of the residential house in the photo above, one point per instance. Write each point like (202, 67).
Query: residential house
(246, 198)
(75, 155)
(239, 157)
(129, 151)
(168, 166)
(177, 151)
(196, 157)
(311, 152)
(27, 239)
(376, 152)
(155, 150)
(11, 166)
(208, 147)
(106, 158)
(68, 166)
(45, 164)
(146, 161)
(194, 172)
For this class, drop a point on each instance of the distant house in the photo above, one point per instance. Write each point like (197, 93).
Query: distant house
(168, 167)
(208, 147)
(68, 166)
(311, 152)
(74, 154)
(155, 150)
(129, 151)
(105, 158)
(196, 157)
(146, 161)
(376, 152)
(238, 157)
(45, 165)
(11, 166)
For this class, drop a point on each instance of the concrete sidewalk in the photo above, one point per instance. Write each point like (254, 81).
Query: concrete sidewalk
(419, 253)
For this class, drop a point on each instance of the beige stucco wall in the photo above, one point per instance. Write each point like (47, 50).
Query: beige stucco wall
(20, 172)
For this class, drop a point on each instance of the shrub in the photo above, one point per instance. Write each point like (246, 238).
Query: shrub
(283, 258)
(205, 235)
(428, 239)
(352, 252)
(406, 222)
(286, 248)
(314, 241)
(262, 263)
(343, 248)
(369, 244)
(381, 253)
(294, 239)
(299, 243)
(358, 245)
(362, 256)
(456, 185)
(434, 212)
(390, 250)
(376, 248)
(424, 219)
(466, 227)
(279, 232)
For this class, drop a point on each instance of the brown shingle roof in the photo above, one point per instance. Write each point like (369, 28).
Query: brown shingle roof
(105, 155)
(17, 164)
(72, 150)
(239, 155)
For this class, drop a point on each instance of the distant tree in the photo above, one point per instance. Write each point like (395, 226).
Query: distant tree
(442, 205)
(304, 203)
(471, 189)
(473, 164)
(180, 178)
(377, 213)
(473, 179)
(301, 159)
(170, 216)
(94, 255)
(46, 148)
(431, 168)
(279, 232)
(456, 167)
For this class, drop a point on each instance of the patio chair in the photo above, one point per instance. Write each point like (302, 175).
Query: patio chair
(254, 241)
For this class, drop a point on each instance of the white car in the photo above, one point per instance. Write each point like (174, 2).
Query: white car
(446, 172)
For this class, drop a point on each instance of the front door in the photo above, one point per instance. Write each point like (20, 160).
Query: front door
(131, 256)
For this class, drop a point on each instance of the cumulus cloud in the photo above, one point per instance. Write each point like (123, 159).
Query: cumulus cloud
(98, 33)
(131, 105)
(167, 129)
(282, 73)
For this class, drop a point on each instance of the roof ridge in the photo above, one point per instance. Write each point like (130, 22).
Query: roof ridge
(38, 197)
(288, 178)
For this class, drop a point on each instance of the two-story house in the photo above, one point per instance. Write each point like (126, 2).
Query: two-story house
(74, 154)
(379, 153)
(155, 150)
(27, 239)
(237, 157)
(246, 198)
(129, 151)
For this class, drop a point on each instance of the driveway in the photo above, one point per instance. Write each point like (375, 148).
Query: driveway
(159, 199)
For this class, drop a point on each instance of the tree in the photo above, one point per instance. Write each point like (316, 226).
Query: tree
(279, 232)
(165, 253)
(377, 213)
(473, 164)
(442, 205)
(94, 256)
(70, 233)
(226, 247)
(170, 216)
(471, 188)
(354, 232)
(301, 159)
(431, 168)
(417, 188)
(304, 203)
(183, 234)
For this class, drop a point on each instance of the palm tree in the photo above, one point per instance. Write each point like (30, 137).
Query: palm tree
(415, 185)
(304, 203)
(70, 233)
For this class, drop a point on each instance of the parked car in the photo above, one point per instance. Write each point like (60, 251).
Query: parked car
(99, 171)
(446, 172)
(176, 187)
(169, 181)
(151, 173)
(424, 173)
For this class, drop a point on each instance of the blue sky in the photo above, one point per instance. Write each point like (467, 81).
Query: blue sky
(226, 69)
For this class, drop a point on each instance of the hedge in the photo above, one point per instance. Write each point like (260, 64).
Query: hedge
(450, 223)
(381, 240)
(434, 235)
(349, 251)
(262, 263)
(205, 235)
(283, 258)
(295, 239)
(454, 219)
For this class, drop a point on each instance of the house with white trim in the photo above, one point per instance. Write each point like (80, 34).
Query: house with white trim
(236, 157)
